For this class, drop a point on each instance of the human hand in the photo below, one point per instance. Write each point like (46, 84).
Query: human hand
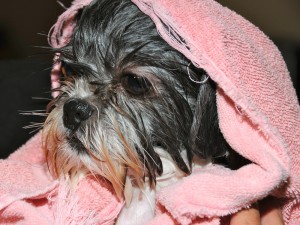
(267, 212)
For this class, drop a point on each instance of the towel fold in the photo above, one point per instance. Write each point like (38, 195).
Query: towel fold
(258, 110)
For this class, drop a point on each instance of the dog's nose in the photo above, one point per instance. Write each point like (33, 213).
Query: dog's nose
(76, 111)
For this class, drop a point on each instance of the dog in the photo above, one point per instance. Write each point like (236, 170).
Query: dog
(131, 109)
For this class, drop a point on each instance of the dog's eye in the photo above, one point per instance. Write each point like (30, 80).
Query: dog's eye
(135, 84)
(65, 69)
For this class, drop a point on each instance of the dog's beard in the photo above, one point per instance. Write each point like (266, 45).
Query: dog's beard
(121, 136)
(97, 149)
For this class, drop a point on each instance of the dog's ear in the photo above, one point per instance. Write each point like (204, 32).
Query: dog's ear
(206, 139)
(60, 34)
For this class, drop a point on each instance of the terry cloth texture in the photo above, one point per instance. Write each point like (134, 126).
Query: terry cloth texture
(30, 196)
(258, 111)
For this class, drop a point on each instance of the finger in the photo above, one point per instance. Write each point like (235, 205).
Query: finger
(270, 212)
(272, 217)
(246, 217)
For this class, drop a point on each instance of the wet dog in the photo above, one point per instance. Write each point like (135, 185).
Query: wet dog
(131, 108)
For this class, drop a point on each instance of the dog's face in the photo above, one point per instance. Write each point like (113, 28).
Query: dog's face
(125, 93)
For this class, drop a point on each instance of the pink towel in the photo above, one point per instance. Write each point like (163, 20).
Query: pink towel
(29, 195)
(258, 111)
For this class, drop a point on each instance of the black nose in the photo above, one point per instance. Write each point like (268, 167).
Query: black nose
(76, 111)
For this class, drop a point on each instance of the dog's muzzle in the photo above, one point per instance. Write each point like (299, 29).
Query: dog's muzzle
(75, 112)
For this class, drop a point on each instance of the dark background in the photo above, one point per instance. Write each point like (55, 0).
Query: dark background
(25, 67)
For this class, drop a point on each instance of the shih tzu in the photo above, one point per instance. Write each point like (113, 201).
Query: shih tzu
(131, 108)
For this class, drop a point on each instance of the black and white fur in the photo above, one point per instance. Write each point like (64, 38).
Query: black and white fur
(128, 109)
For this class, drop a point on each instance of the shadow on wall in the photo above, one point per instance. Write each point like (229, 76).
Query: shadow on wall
(24, 69)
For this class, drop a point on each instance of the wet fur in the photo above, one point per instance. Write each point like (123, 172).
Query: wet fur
(113, 38)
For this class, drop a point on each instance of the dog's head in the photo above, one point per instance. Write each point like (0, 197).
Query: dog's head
(124, 93)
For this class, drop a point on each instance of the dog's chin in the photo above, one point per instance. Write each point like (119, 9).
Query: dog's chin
(76, 145)
(72, 157)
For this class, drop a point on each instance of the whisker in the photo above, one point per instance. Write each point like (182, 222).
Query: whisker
(43, 34)
(43, 47)
(41, 98)
(34, 113)
(34, 126)
(62, 5)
